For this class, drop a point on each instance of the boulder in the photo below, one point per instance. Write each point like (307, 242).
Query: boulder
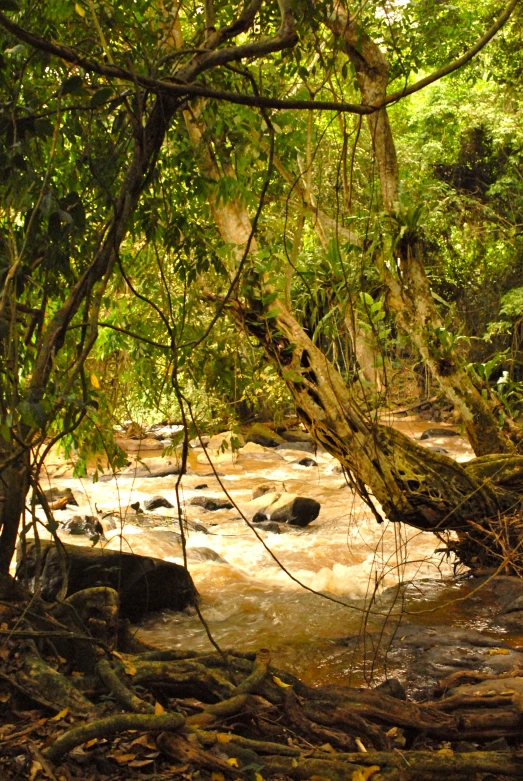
(54, 494)
(291, 509)
(439, 432)
(267, 488)
(83, 524)
(156, 501)
(263, 435)
(204, 554)
(308, 462)
(304, 447)
(439, 450)
(200, 486)
(199, 441)
(211, 503)
(252, 449)
(297, 511)
(144, 584)
(226, 441)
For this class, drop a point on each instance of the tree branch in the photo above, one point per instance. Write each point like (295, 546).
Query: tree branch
(460, 62)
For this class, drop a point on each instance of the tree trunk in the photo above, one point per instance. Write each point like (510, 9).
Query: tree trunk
(420, 487)
(412, 484)
(409, 290)
(14, 484)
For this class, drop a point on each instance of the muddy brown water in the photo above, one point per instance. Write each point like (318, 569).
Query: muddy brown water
(249, 600)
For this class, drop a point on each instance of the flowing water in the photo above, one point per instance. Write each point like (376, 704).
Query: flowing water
(254, 595)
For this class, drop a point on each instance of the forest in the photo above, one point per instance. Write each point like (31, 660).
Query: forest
(261, 390)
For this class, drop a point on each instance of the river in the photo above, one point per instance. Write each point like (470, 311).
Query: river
(249, 599)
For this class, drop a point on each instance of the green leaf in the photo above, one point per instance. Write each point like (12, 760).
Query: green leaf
(100, 97)
(70, 85)
(272, 313)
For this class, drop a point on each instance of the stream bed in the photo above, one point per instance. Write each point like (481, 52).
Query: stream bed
(359, 576)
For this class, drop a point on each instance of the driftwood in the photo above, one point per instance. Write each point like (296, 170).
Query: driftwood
(223, 713)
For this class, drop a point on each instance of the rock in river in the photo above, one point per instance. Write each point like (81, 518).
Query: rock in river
(267, 487)
(308, 462)
(439, 432)
(156, 501)
(83, 524)
(211, 503)
(143, 583)
(291, 509)
(263, 435)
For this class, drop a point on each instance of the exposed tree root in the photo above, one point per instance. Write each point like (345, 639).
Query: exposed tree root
(221, 713)
(112, 725)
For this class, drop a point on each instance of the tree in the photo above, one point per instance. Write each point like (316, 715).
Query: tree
(98, 127)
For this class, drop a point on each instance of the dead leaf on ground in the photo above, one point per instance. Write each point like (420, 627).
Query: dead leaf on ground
(122, 759)
(63, 713)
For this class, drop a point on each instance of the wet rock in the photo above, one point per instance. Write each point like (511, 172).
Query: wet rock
(199, 441)
(304, 447)
(295, 435)
(108, 522)
(427, 655)
(204, 554)
(226, 441)
(197, 527)
(211, 503)
(439, 432)
(393, 688)
(158, 543)
(156, 501)
(144, 584)
(267, 488)
(291, 509)
(308, 462)
(500, 744)
(514, 606)
(439, 450)
(263, 435)
(164, 432)
(200, 487)
(138, 445)
(268, 526)
(253, 449)
(431, 654)
(83, 524)
(54, 494)
(165, 469)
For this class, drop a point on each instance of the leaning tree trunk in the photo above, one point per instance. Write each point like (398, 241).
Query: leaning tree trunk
(412, 484)
(409, 296)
